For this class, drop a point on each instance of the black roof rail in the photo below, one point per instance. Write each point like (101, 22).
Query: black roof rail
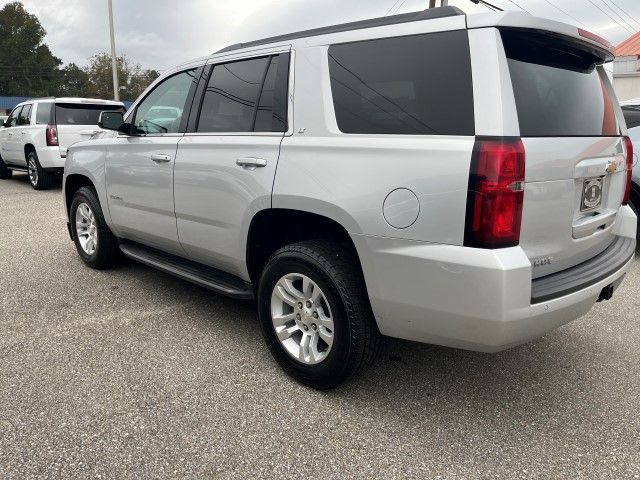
(430, 13)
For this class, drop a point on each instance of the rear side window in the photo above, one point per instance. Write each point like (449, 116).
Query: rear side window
(81, 114)
(631, 116)
(44, 114)
(246, 96)
(25, 115)
(414, 85)
(558, 90)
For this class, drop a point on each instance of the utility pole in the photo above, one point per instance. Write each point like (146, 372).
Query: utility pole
(114, 60)
(432, 3)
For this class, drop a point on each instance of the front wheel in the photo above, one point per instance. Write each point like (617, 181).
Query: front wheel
(315, 313)
(97, 246)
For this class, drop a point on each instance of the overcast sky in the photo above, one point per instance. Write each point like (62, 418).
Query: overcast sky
(161, 33)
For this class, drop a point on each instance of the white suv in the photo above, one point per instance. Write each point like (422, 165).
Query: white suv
(451, 179)
(38, 132)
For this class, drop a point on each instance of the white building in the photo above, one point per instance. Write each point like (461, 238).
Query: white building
(626, 68)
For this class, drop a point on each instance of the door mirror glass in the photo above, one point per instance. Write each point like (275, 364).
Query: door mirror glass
(111, 121)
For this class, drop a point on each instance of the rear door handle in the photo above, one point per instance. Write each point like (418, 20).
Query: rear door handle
(160, 158)
(251, 162)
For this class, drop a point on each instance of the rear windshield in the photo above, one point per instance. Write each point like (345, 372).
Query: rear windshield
(413, 85)
(558, 90)
(81, 114)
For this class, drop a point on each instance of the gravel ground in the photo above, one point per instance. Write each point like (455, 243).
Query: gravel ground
(131, 373)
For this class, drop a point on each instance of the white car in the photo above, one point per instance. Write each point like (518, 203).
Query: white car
(631, 112)
(38, 132)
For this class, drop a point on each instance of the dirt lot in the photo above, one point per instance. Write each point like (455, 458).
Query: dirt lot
(131, 373)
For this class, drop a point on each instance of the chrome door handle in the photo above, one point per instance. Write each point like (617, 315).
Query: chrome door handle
(251, 162)
(160, 158)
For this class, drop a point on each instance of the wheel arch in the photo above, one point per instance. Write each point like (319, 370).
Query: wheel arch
(273, 228)
(72, 184)
(29, 148)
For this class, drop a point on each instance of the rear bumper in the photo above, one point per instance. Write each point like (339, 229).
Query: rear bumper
(470, 298)
(50, 158)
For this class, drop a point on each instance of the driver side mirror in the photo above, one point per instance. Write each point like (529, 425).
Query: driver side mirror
(114, 121)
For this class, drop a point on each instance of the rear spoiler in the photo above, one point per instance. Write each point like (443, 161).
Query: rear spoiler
(524, 21)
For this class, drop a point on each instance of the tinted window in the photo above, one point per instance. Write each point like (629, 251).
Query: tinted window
(25, 115)
(162, 110)
(418, 85)
(81, 114)
(558, 90)
(44, 114)
(230, 99)
(631, 116)
(264, 115)
(12, 121)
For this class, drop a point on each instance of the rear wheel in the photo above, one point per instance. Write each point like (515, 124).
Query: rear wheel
(5, 173)
(39, 178)
(315, 313)
(97, 246)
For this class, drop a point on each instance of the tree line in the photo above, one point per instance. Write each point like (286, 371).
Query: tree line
(28, 67)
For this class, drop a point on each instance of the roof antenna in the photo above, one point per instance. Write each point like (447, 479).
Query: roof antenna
(487, 4)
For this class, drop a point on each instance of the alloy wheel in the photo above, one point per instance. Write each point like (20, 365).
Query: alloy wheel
(86, 229)
(302, 318)
(33, 172)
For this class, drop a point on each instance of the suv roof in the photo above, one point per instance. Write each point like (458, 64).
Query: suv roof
(344, 27)
(93, 101)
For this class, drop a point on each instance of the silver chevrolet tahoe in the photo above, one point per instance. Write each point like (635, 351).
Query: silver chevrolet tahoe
(454, 179)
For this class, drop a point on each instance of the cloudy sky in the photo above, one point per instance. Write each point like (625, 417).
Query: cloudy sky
(162, 33)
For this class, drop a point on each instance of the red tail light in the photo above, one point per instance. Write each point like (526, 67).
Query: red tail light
(628, 149)
(496, 193)
(52, 136)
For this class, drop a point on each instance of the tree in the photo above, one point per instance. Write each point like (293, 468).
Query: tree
(27, 66)
(132, 77)
(74, 82)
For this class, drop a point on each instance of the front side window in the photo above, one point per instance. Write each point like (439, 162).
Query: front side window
(162, 110)
(413, 85)
(246, 96)
(12, 121)
(25, 115)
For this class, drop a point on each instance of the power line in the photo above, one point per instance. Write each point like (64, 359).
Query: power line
(392, 7)
(519, 6)
(624, 11)
(566, 13)
(617, 22)
(635, 30)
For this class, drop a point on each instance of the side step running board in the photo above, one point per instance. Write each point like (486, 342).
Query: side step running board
(193, 272)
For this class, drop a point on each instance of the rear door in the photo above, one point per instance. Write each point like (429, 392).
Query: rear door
(226, 162)
(575, 159)
(78, 121)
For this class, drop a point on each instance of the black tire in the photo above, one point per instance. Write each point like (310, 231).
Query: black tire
(43, 178)
(5, 173)
(107, 252)
(336, 271)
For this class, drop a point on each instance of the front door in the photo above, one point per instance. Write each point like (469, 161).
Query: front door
(139, 168)
(226, 163)
(8, 138)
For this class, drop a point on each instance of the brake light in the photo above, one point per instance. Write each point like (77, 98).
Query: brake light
(52, 136)
(628, 149)
(496, 193)
(596, 38)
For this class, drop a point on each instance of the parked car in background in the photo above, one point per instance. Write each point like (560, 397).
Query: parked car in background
(355, 190)
(38, 132)
(631, 112)
(3, 118)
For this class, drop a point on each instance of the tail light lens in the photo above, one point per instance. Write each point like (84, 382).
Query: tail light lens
(496, 193)
(628, 149)
(52, 136)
